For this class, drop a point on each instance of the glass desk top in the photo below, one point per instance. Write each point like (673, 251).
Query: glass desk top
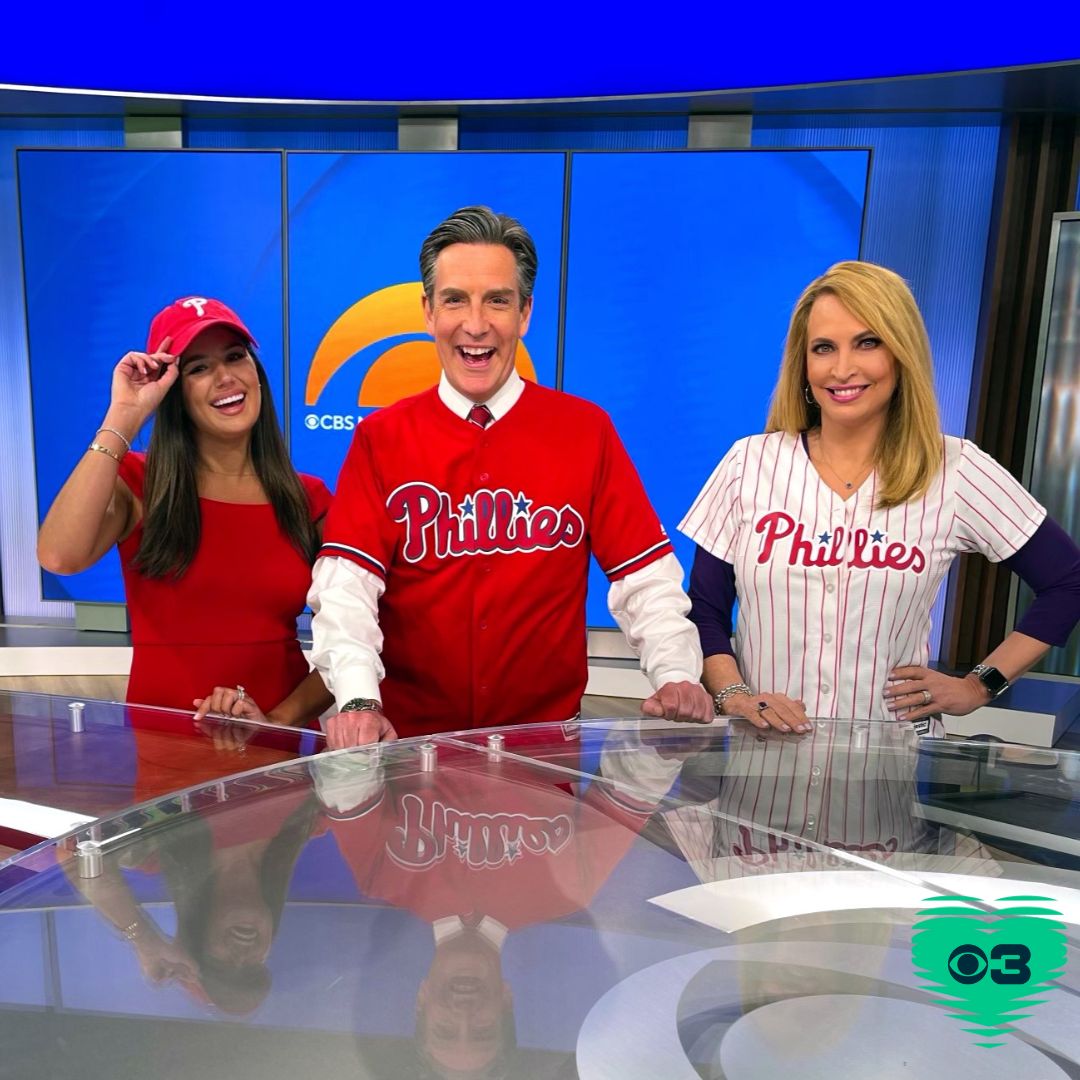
(63, 759)
(609, 899)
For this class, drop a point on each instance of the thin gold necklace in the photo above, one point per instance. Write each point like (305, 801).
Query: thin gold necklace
(849, 484)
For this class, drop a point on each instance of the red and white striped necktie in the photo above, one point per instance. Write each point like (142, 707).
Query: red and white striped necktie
(480, 415)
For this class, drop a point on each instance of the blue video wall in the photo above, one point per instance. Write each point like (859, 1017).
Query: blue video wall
(109, 238)
(680, 267)
(356, 330)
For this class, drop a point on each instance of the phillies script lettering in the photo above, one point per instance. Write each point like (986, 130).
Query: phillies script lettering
(858, 548)
(766, 850)
(480, 841)
(483, 523)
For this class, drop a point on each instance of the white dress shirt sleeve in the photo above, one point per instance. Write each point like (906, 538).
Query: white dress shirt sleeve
(650, 607)
(346, 638)
(348, 784)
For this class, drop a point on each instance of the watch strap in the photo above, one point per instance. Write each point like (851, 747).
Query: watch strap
(996, 684)
(362, 704)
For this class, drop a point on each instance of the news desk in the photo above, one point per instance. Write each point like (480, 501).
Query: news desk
(620, 898)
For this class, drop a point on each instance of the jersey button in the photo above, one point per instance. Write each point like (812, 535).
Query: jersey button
(830, 588)
(827, 639)
(483, 689)
(483, 626)
(484, 477)
(826, 690)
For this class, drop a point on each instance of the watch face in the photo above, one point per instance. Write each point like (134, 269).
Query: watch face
(992, 679)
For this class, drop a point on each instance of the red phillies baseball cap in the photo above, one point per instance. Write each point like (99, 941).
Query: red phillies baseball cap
(185, 319)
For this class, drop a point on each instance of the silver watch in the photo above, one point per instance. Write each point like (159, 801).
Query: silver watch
(362, 704)
(995, 683)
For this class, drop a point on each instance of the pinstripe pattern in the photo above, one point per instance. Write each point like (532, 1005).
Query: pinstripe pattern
(834, 594)
(792, 803)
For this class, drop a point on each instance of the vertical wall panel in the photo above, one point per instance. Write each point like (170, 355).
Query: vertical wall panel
(18, 505)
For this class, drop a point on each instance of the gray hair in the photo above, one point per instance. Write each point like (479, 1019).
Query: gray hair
(480, 225)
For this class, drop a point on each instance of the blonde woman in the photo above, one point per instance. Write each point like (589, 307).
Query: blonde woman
(835, 529)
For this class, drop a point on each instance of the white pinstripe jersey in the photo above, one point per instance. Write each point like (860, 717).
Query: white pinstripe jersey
(834, 594)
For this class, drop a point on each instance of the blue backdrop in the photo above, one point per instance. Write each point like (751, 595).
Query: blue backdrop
(344, 51)
(682, 275)
(110, 238)
(356, 222)
(681, 271)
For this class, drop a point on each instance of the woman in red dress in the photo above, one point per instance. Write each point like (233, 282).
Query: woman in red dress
(216, 530)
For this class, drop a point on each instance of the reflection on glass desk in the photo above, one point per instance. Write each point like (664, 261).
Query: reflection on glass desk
(611, 899)
(64, 760)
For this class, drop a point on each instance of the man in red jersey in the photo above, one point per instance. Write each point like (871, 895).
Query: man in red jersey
(450, 588)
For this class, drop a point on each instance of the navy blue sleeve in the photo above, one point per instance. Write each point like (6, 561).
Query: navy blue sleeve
(712, 601)
(1049, 563)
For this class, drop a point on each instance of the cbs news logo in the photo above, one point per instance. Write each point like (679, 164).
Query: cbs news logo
(399, 371)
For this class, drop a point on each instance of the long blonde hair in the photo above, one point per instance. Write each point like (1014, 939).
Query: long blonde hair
(909, 452)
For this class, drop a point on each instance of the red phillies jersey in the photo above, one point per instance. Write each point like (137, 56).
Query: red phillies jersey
(483, 538)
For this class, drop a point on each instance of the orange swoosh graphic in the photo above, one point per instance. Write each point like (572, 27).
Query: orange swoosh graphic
(386, 313)
(407, 368)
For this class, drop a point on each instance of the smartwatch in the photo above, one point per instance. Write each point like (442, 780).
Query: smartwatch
(996, 684)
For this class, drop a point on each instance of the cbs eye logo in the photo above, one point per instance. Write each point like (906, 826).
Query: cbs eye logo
(391, 320)
(1007, 965)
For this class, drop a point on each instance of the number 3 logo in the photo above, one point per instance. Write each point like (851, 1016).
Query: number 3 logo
(1008, 964)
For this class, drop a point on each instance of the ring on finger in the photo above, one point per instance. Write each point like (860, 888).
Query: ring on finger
(762, 706)
(927, 697)
(241, 693)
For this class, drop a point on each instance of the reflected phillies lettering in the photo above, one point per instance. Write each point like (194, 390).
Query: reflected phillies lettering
(770, 846)
(480, 841)
(858, 548)
(483, 523)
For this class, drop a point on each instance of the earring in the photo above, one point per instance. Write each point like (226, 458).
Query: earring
(808, 395)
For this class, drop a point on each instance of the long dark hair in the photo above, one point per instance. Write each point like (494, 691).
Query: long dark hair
(172, 520)
(186, 859)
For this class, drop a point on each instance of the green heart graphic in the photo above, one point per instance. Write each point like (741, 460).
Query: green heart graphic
(988, 966)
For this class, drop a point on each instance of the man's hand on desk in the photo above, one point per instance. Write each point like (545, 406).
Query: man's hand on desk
(358, 729)
(685, 702)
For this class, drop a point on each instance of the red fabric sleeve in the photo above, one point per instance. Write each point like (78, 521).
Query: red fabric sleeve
(625, 532)
(358, 526)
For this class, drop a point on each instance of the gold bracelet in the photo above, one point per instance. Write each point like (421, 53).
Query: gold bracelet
(104, 450)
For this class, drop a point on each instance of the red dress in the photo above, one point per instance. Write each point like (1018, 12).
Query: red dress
(231, 619)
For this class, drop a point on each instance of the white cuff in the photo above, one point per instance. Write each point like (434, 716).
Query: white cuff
(650, 607)
(346, 639)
